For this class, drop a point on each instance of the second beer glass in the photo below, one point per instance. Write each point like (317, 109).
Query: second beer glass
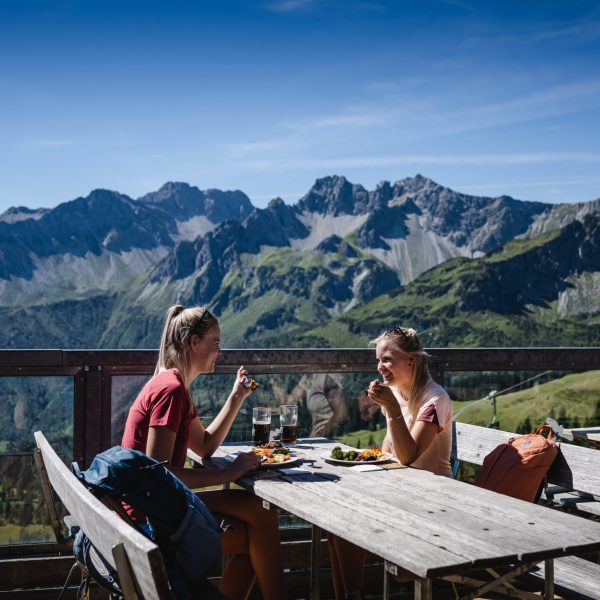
(289, 423)
(261, 425)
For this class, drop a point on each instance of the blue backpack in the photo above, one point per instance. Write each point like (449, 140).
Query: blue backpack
(179, 522)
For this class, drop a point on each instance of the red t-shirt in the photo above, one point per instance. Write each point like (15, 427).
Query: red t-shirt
(163, 402)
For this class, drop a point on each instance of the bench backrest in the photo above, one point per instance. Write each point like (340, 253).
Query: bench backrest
(575, 468)
(126, 549)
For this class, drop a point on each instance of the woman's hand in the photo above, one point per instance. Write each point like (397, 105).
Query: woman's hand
(367, 406)
(382, 395)
(240, 392)
(244, 463)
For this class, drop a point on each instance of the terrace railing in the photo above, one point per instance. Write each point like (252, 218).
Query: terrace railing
(92, 375)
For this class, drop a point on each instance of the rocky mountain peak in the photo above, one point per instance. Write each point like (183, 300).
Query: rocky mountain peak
(168, 190)
(230, 204)
(335, 195)
(275, 203)
(22, 213)
(416, 184)
(182, 202)
(101, 199)
(274, 225)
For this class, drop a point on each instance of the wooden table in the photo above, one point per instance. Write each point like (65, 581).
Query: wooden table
(428, 525)
(591, 434)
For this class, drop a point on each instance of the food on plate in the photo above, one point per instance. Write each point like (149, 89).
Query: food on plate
(271, 445)
(373, 453)
(270, 456)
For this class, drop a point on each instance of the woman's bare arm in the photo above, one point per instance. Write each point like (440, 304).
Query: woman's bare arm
(205, 440)
(409, 445)
(160, 445)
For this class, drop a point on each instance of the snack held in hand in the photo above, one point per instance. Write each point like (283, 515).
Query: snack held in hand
(250, 383)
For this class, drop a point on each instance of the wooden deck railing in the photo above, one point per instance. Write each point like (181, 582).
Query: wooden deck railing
(93, 370)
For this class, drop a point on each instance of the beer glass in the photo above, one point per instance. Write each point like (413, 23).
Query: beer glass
(261, 425)
(289, 423)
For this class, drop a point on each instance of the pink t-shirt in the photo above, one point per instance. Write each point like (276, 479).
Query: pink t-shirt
(435, 407)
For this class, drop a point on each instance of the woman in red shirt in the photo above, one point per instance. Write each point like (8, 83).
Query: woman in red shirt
(163, 423)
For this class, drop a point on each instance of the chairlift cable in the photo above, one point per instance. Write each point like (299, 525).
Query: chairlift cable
(495, 394)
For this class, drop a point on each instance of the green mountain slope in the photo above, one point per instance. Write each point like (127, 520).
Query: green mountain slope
(573, 398)
(514, 296)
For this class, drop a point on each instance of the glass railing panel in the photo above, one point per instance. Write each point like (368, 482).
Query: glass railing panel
(29, 404)
(124, 390)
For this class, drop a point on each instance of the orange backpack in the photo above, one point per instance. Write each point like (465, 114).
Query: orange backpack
(518, 466)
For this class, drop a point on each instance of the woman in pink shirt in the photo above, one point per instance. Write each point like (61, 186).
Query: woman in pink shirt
(163, 423)
(419, 432)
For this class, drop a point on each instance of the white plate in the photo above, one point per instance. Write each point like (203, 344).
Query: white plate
(385, 457)
(285, 463)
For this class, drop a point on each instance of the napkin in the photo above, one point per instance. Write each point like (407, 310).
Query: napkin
(292, 471)
(231, 457)
(365, 467)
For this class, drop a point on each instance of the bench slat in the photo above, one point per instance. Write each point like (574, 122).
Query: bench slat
(104, 528)
(576, 468)
(574, 578)
(573, 500)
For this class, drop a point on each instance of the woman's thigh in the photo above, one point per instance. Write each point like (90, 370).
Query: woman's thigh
(238, 504)
(234, 540)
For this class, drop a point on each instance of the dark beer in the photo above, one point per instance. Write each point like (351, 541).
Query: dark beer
(289, 434)
(260, 433)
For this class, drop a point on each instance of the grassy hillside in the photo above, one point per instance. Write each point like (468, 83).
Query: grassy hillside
(574, 397)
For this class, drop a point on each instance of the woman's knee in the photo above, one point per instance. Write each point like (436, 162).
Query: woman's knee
(261, 516)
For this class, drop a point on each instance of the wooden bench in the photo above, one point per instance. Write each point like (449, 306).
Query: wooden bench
(576, 473)
(137, 559)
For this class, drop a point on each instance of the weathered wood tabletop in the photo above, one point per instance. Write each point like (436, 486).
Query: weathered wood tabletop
(427, 524)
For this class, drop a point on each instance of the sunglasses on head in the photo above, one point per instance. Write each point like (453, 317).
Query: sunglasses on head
(205, 314)
(395, 330)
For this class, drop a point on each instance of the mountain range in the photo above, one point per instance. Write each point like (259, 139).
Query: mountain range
(329, 270)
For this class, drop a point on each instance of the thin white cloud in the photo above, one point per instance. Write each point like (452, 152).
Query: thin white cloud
(579, 93)
(458, 4)
(581, 30)
(241, 149)
(420, 117)
(307, 132)
(289, 6)
(346, 121)
(533, 184)
(292, 6)
(41, 143)
(424, 159)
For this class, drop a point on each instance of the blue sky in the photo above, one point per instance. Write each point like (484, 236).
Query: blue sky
(265, 96)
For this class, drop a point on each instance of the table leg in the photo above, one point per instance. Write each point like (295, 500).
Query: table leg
(549, 579)
(423, 589)
(386, 584)
(315, 563)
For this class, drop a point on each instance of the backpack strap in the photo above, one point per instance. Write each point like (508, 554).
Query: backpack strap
(539, 431)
